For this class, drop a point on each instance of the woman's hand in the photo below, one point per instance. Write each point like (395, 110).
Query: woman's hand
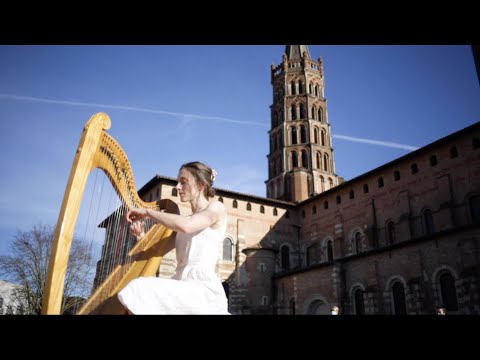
(135, 214)
(137, 229)
(137, 225)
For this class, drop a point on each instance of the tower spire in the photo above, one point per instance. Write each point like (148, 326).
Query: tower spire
(296, 52)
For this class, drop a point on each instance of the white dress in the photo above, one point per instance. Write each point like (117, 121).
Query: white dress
(194, 288)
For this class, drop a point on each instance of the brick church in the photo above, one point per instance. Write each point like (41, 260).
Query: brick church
(403, 238)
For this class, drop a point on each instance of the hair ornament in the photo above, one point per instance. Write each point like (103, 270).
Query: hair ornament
(214, 175)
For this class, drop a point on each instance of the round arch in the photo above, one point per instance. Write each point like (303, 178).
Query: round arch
(316, 305)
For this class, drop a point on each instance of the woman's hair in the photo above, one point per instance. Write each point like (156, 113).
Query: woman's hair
(202, 173)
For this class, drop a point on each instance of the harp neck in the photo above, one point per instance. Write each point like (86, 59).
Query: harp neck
(97, 149)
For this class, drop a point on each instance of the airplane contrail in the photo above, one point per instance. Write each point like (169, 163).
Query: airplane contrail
(131, 108)
(375, 142)
(223, 119)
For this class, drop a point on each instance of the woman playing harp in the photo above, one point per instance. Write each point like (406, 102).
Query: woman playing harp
(194, 288)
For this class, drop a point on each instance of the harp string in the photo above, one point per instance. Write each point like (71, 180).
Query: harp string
(114, 239)
(118, 241)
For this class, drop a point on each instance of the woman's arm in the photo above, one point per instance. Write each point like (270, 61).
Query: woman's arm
(212, 214)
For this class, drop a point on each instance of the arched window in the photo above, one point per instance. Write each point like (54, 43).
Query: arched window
(453, 152)
(235, 204)
(381, 183)
(285, 257)
(293, 87)
(302, 111)
(275, 212)
(174, 192)
(304, 159)
(356, 243)
(320, 114)
(325, 162)
(310, 252)
(249, 207)
(316, 90)
(329, 250)
(319, 161)
(293, 112)
(227, 249)
(303, 135)
(428, 222)
(314, 110)
(399, 305)
(294, 159)
(358, 301)
(310, 88)
(449, 293)
(322, 185)
(414, 168)
(262, 209)
(391, 232)
(322, 137)
(315, 135)
(220, 199)
(300, 87)
(291, 306)
(294, 135)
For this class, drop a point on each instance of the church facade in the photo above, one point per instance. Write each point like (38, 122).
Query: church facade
(403, 238)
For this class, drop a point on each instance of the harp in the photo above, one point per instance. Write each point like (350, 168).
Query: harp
(97, 149)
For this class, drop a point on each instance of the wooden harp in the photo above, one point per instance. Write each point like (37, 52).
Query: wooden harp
(97, 149)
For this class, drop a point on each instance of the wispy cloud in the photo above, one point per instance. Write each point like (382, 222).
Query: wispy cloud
(187, 118)
(375, 142)
(131, 108)
(251, 181)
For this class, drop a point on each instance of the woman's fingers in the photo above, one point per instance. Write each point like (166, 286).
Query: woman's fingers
(137, 227)
(131, 215)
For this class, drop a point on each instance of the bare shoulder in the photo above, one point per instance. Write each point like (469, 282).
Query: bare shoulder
(218, 209)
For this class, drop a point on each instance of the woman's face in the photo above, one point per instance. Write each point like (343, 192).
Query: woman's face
(187, 187)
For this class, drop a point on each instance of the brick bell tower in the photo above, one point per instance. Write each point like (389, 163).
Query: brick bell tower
(300, 162)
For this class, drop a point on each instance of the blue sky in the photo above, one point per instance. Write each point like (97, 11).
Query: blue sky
(173, 104)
